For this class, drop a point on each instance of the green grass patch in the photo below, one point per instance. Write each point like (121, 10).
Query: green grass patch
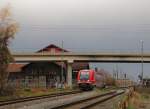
(131, 107)
(145, 96)
(2, 98)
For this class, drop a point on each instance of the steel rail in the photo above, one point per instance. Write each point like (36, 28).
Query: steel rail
(81, 101)
(101, 101)
(25, 99)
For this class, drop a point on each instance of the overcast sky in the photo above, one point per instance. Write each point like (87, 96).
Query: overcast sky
(83, 25)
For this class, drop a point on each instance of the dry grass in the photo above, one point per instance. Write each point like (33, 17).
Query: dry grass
(33, 92)
(135, 101)
(138, 101)
(39, 91)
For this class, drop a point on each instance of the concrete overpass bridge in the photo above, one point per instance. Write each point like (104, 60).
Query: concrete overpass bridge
(69, 58)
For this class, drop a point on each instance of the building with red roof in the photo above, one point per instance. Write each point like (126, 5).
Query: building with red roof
(42, 74)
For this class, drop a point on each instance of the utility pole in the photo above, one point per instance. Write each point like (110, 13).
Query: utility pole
(142, 42)
(62, 65)
(117, 71)
(114, 74)
(125, 77)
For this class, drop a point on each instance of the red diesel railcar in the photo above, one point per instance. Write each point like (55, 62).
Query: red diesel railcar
(86, 79)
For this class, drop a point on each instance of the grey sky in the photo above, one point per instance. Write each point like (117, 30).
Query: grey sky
(83, 25)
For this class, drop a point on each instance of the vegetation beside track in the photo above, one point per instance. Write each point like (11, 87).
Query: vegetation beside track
(139, 101)
(31, 92)
(28, 92)
(135, 100)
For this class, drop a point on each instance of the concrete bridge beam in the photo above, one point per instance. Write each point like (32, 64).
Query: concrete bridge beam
(69, 73)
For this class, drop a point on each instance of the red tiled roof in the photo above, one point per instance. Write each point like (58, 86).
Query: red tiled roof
(15, 67)
(76, 65)
(49, 48)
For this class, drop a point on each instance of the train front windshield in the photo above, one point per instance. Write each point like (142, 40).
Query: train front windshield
(84, 75)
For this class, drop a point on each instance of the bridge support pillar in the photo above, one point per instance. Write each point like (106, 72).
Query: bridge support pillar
(69, 73)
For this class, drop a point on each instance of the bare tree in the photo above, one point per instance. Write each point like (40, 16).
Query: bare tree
(107, 77)
(8, 28)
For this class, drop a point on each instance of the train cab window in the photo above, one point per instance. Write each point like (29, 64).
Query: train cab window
(84, 75)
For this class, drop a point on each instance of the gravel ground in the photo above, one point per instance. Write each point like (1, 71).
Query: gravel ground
(80, 105)
(110, 104)
(48, 103)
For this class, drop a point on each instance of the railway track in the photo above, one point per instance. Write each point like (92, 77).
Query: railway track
(26, 99)
(89, 102)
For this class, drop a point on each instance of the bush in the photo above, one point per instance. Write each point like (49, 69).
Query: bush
(8, 91)
(27, 89)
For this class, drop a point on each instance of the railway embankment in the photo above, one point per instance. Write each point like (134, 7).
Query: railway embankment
(32, 92)
(47, 102)
(136, 99)
(30, 100)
